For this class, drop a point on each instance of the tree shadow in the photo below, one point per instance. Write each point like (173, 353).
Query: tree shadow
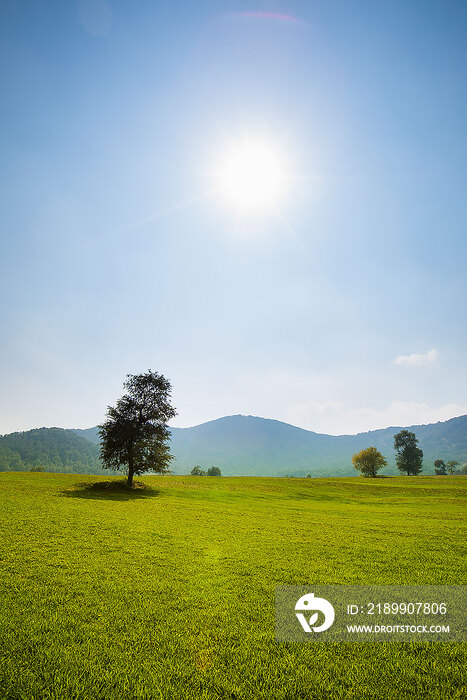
(112, 491)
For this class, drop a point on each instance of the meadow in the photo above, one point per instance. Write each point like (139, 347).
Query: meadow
(169, 592)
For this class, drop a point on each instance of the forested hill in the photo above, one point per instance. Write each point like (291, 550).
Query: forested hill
(91, 434)
(50, 449)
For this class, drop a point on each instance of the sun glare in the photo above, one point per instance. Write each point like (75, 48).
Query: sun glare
(251, 176)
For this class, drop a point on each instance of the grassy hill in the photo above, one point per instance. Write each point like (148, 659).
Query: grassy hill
(169, 593)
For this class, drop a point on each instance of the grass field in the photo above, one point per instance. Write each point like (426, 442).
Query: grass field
(169, 593)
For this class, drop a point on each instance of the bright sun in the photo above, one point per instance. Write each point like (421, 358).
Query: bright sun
(251, 176)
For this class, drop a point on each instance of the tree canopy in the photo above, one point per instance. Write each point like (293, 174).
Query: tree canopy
(369, 461)
(135, 435)
(409, 457)
(440, 467)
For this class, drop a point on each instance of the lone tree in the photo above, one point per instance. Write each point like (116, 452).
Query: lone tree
(440, 467)
(409, 457)
(135, 435)
(369, 461)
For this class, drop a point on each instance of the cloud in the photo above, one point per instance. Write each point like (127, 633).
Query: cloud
(336, 418)
(352, 400)
(417, 360)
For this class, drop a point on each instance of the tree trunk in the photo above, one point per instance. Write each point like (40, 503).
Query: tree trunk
(130, 470)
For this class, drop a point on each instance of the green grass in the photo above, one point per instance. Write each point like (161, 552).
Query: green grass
(169, 592)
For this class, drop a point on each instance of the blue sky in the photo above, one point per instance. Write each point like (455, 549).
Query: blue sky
(341, 310)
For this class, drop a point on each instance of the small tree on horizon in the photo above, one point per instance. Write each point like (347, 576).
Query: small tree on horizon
(440, 467)
(451, 466)
(409, 457)
(369, 461)
(135, 435)
(197, 471)
(214, 471)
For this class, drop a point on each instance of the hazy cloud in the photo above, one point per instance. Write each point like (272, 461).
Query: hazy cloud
(417, 360)
(337, 419)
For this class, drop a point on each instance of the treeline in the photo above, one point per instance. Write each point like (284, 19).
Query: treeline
(49, 449)
(199, 471)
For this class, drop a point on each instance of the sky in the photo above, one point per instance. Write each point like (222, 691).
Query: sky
(339, 307)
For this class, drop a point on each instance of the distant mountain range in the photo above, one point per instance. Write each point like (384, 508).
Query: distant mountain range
(247, 445)
(239, 445)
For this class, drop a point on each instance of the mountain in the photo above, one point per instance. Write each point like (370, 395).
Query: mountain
(50, 449)
(239, 445)
(248, 445)
(242, 445)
